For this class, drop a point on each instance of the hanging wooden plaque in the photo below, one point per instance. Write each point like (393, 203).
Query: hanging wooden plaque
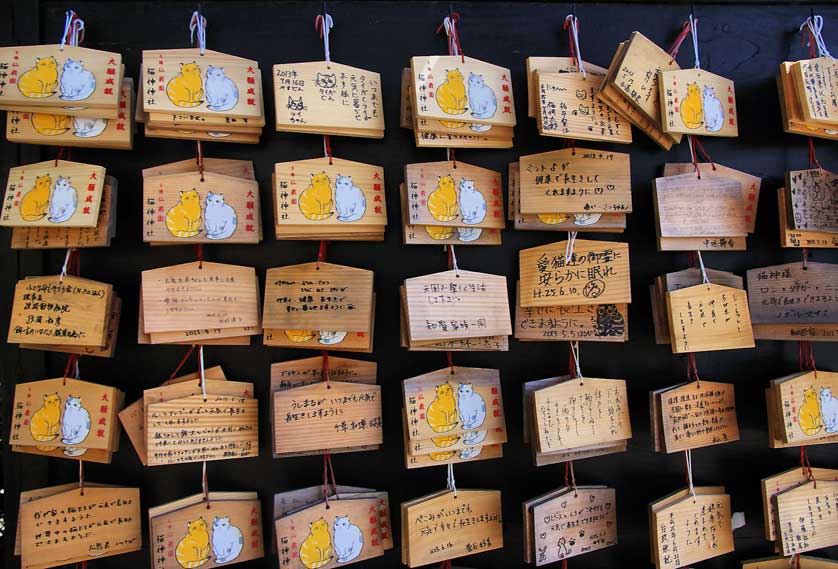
(327, 415)
(199, 295)
(580, 521)
(53, 193)
(692, 529)
(813, 200)
(677, 198)
(457, 304)
(595, 272)
(223, 528)
(318, 296)
(791, 109)
(66, 416)
(568, 107)
(552, 65)
(576, 180)
(807, 518)
(816, 85)
(442, 235)
(709, 317)
(794, 294)
(199, 207)
(329, 192)
(330, 534)
(442, 456)
(808, 405)
(800, 239)
(698, 414)
(581, 412)
(52, 533)
(446, 194)
(457, 88)
(791, 478)
(694, 101)
(473, 524)
(69, 310)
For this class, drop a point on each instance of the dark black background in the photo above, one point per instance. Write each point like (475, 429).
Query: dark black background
(745, 42)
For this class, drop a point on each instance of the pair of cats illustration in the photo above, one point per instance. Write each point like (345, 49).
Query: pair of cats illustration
(73, 83)
(326, 337)
(53, 125)
(188, 88)
(448, 202)
(194, 549)
(466, 409)
(71, 424)
(317, 202)
(702, 107)
(819, 412)
(187, 218)
(320, 547)
(580, 219)
(57, 202)
(454, 98)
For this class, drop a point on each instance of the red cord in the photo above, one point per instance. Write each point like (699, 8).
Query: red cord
(199, 253)
(570, 41)
(813, 157)
(182, 361)
(327, 143)
(321, 253)
(676, 46)
(454, 37)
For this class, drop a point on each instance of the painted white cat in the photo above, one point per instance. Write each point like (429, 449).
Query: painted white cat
(472, 203)
(226, 540)
(219, 217)
(330, 337)
(75, 425)
(63, 201)
(475, 437)
(221, 91)
(469, 233)
(586, 218)
(481, 100)
(349, 541)
(471, 406)
(714, 113)
(88, 127)
(76, 83)
(829, 410)
(470, 452)
(349, 199)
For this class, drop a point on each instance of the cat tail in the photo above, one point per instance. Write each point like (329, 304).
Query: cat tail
(32, 217)
(191, 564)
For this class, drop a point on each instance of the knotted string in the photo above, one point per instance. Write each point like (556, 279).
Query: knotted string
(449, 24)
(452, 260)
(70, 266)
(73, 30)
(568, 248)
(323, 23)
(806, 357)
(813, 157)
(571, 24)
(704, 278)
(451, 482)
(806, 466)
(676, 46)
(72, 366)
(328, 478)
(688, 459)
(198, 24)
(574, 359)
(692, 370)
(814, 27)
(694, 34)
(570, 476)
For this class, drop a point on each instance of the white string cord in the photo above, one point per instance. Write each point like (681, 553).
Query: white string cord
(574, 348)
(451, 483)
(201, 370)
(689, 459)
(704, 278)
(454, 260)
(573, 21)
(198, 23)
(568, 249)
(691, 146)
(64, 266)
(325, 149)
(327, 23)
(77, 368)
(451, 31)
(815, 25)
(73, 30)
(694, 34)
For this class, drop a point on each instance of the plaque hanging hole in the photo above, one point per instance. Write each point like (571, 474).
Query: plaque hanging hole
(328, 507)
(205, 399)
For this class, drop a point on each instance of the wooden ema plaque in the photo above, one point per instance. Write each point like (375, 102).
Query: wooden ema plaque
(807, 518)
(813, 200)
(709, 317)
(318, 296)
(65, 416)
(803, 561)
(791, 478)
(697, 102)
(442, 235)
(750, 184)
(456, 305)
(224, 426)
(200, 208)
(677, 198)
(184, 81)
(71, 311)
(799, 239)
(596, 272)
(55, 193)
(579, 521)
(340, 194)
(791, 109)
(444, 456)
(575, 180)
(793, 294)
(568, 107)
(698, 414)
(67, 130)
(451, 194)
(193, 532)
(67, 527)
(321, 97)
(456, 89)
(76, 79)
(330, 534)
(816, 86)
(552, 65)
(448, 525)
(581, 412)
(194, 296)
(327, 415)
(636, 75)
(691, 529)
(807, 406)
(61, 237)
(457, 402)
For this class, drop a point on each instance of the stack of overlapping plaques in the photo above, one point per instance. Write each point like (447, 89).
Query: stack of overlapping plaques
(803, 409)
(808, 97)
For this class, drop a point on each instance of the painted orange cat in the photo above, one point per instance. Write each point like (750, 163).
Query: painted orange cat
(316, 202)
(51, 125)
(316, 550)
(40, 81)
(194, 549)
(186, 89)
(35, 203)
(184, 219)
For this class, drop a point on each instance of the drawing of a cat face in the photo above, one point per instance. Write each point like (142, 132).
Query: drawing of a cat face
(215, 199)
(72, 402)
(62, 183)
(319, 525)
(198, 526)
(692, 89)
(475, 79)
(190, 197)
(52, 400)
(326, 80)
(221, 523)
(466, 185)
(43, 181)
(810, 395)
(454, 75)
(709, 91)
(465, 389)
(295, 105)
(342, 522)
(826, 393)
(446, 182)
(444, 390)
(73, 65)
(321, 179)
(343, 182)
(190, 68)
(213, 71)
(46, 63)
